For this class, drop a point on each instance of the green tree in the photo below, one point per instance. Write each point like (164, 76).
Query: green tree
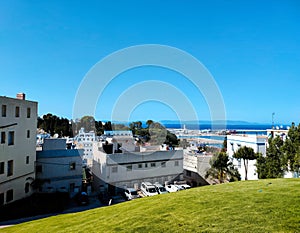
(222, 168)
(245, 153)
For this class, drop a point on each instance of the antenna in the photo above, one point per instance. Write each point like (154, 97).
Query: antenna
(273, 120)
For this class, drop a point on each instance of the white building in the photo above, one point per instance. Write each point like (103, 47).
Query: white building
(18, 122)
(121, 164)
(256, 142)
(85, 141)
(59, 169)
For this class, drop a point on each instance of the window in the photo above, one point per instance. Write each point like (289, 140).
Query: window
(3, 110)
(28, 112)
(239, 163)
(17, 111)
(39, 169)
(1, 199)
(11, 138)
(10, 168)
(28, 133)
(163, 164)
(188, 173)
(129, 168)
(27, 185)
(2, 137)
(2, 168)
(72, 187)
(72, 166)
(146, 164)
(176, 163)
(9, 195)
(140, 165)
(153, 164)
(27, 159)
(114, 169)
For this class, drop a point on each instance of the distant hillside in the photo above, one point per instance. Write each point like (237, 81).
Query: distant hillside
(246, 206)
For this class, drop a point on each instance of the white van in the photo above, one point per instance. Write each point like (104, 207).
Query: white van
(148, 189)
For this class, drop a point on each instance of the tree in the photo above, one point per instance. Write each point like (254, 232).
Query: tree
(222, 168)
(245, 153)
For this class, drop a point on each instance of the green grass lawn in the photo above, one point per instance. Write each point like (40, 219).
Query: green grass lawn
(246, 206)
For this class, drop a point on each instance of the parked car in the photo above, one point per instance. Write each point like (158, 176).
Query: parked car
(185, 186)
(160, 189)
(148, 189)
(131, 193)
(171, 188)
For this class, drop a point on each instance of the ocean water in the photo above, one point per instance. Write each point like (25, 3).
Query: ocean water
(236, 127)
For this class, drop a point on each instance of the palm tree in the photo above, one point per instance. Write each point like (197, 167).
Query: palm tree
(245, 153)
(222, 168)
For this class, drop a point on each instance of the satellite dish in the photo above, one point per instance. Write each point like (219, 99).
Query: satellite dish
(55, 135)
(277, 127)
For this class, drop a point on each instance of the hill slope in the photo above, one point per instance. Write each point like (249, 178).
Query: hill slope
(252, 206)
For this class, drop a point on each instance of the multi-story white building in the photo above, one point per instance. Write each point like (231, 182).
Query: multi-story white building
(18, 122)
(59, 169)
(256, 142)
(85, 141)
(120, 163)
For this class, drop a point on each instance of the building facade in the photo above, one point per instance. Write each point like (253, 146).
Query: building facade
(114, 166)
(84, 140)
(59, 169)
(257, 142)
(18, 122)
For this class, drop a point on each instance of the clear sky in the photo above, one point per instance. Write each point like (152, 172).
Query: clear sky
(251, 48)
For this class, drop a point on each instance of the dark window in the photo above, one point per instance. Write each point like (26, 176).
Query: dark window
(114, 169)
(28, 133)
(27, 186)
(39, 169)
(153, 164)
(17, 112)
(188, 173)
(2, 137)
(72, 166)
(9, 195)
(10, 168)
(1, 167)
(11, 138)
(176, 163)
(28, 112)
(129, 168)
(3, 110)
(140, 165)
(27, 159)
(1, 199)
(163, 164)
(72, 187)
(146, 164)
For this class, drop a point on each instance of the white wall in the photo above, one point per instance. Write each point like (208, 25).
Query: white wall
(23, 146)
(256, 142)
(105, 164)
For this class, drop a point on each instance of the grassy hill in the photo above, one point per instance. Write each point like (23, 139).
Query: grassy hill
(246, 206)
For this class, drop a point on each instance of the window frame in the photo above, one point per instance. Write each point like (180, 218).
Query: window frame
(10, 167)
(4, 110)
(17, 111)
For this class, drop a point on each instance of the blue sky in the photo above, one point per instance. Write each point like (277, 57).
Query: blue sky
(251, 48)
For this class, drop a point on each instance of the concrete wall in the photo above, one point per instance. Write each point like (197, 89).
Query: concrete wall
(257, 143)
(58, 172)
(131, 169)
(22, 152)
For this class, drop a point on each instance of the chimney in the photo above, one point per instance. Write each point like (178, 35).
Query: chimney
(21, 96)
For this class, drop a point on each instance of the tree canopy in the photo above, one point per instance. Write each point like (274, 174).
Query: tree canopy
(222, 168)
(245, 153)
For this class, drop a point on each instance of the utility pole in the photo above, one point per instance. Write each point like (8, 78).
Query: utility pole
(273, 120)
